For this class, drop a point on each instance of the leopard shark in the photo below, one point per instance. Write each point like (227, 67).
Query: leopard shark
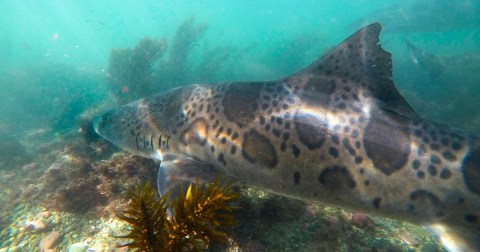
(336, 132)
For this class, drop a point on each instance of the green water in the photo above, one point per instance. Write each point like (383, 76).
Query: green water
(58, 70)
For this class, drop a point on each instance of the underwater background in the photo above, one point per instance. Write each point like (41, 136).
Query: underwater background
(64, 62)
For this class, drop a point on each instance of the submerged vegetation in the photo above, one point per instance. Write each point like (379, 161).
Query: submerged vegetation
(130, 70)
(133, 72)
(156, 65)
(199, 216)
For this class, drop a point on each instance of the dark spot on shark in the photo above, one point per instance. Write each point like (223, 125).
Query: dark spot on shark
(279, 121)
(262, 120)
(333, 152)
(432, 170)
(376, 202)
(358, 160)
(354, 133)
(471, 170)
(456, 146)
(256, 148)
(310, 130)
(348, 147)
(233, 149)
(276, 132)
(335, 139)
(449, 156)
(336, 178)
(421, 174)
(318, 90)
(240, 102)
(296, 178)
(283, 147)
(196, 133)
(221, 159)
(234, 135)
(435, 146)
(445, 173)
(470, 218)
(386, 145)
(416, 164)
(295, 150)
(427, 203)
(358, 145)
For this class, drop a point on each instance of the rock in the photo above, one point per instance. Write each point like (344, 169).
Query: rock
(43, 215)
(36, 226)
(49, 241)
(77, 247)
(361, 220)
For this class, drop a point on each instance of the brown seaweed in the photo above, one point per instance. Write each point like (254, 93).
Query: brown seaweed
(199, 216)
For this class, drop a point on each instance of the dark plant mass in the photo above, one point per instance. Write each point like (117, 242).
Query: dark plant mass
(199, 216)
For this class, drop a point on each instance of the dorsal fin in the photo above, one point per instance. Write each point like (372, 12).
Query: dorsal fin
(361, 59)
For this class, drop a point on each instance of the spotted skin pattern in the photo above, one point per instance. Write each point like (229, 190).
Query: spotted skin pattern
(336, 132)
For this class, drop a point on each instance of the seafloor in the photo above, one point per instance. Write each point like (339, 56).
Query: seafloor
(63, 196)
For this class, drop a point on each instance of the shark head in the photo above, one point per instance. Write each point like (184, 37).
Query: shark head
(143, 127)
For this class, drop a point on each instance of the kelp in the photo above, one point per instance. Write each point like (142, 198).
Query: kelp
(147, 218)
(199, 216)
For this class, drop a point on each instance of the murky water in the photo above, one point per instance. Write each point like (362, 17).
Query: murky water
(64, 62)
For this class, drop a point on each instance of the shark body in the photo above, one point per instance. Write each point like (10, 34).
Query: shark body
(336, 132)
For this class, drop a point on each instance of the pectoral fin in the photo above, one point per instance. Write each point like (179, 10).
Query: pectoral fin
(177, 169)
